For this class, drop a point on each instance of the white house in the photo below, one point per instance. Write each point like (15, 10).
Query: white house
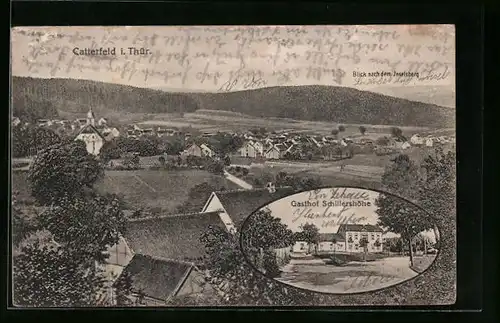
(405, 145)
(300, 247)
(248, 150)
(330, 242)
(15, 121)
(273, 153)
(416, 139)
(92, 138)
(102, 122)
(429, 142)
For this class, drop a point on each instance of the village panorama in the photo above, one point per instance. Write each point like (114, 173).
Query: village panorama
(232, 166)
(175, 183)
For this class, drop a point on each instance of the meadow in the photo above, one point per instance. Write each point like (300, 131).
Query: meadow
(213, 120)
(158, 190)
(154, 190)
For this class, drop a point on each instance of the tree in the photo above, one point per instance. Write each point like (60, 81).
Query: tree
(24, 221)
(382, 141)
(227, 160)
(397, 215)
(363, 243)
(362, 130)
(49, 276)
(261, 234)
(341, 128)
(310, 234)
(335, 132)
(110, 150)
(438, 178)
(162, 161)
(236, 282)
(63, 170)
(396, 132)
(86, 226)
(131, 161)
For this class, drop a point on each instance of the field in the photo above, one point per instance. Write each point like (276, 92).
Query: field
(158, 190)
(213, 120)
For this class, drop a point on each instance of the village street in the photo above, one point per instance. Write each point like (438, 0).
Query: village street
(354, 277)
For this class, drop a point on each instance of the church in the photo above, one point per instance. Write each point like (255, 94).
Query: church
(89, 134)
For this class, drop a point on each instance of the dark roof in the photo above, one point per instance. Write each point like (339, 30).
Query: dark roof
(156, 277)
(91, 129)
(330, 236)
(360, 227)
(239, 204)
(173, 237)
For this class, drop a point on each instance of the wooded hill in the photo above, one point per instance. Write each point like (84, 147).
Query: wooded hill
(43, 98)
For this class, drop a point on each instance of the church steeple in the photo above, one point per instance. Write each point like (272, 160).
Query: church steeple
(90, 117)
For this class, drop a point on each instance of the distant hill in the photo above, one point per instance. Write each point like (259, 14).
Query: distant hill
(313, 103)
(440, 95)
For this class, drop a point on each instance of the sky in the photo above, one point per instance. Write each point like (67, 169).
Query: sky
(330, 217)
(233, 58)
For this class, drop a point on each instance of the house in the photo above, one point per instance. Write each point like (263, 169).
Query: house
(102, 122)
(329, 242)
(248, 150)
(207, 151)
(110, 133)
(353, 233)
(160, 132)
(162, 255)
(92, 138)
(416, 139)
(429, 142)
(236, 205)
(273, 153)
(405, 145)
(193, 150)
(300, 247)
(154, 280)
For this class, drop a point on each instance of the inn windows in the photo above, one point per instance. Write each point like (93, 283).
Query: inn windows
(373, 236)
(356, 236)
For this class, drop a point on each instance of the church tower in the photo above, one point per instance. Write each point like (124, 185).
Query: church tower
(90, 117)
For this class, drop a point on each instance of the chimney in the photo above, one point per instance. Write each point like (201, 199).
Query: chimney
(270, 187)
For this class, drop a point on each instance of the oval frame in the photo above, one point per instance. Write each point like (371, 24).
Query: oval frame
(244, 224)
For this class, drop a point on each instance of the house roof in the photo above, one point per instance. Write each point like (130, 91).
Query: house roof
(173, 237)
(156, 277)
(90, 129)
(330, 236)
(239, 204)
(360, 227)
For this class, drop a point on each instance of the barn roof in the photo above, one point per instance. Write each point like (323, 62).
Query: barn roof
(173, 237)
(239, 204)
(156, 277)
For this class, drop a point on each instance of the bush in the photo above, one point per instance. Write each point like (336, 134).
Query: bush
(271, 267)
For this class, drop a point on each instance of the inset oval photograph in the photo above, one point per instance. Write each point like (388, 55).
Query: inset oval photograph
(340, 240)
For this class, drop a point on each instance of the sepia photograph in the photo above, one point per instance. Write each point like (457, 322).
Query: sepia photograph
(196, 166)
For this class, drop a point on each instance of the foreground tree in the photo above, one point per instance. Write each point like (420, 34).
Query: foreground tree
(310, 234)
(49, 276)
(236, 282)
(63, 170)
(86, 226)
(396, 214)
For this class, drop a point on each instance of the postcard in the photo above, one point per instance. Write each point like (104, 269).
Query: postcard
(202, 166)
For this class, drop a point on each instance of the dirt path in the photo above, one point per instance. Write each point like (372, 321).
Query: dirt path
(241, 183)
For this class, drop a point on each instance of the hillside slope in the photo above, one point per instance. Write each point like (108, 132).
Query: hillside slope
(44, 97)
